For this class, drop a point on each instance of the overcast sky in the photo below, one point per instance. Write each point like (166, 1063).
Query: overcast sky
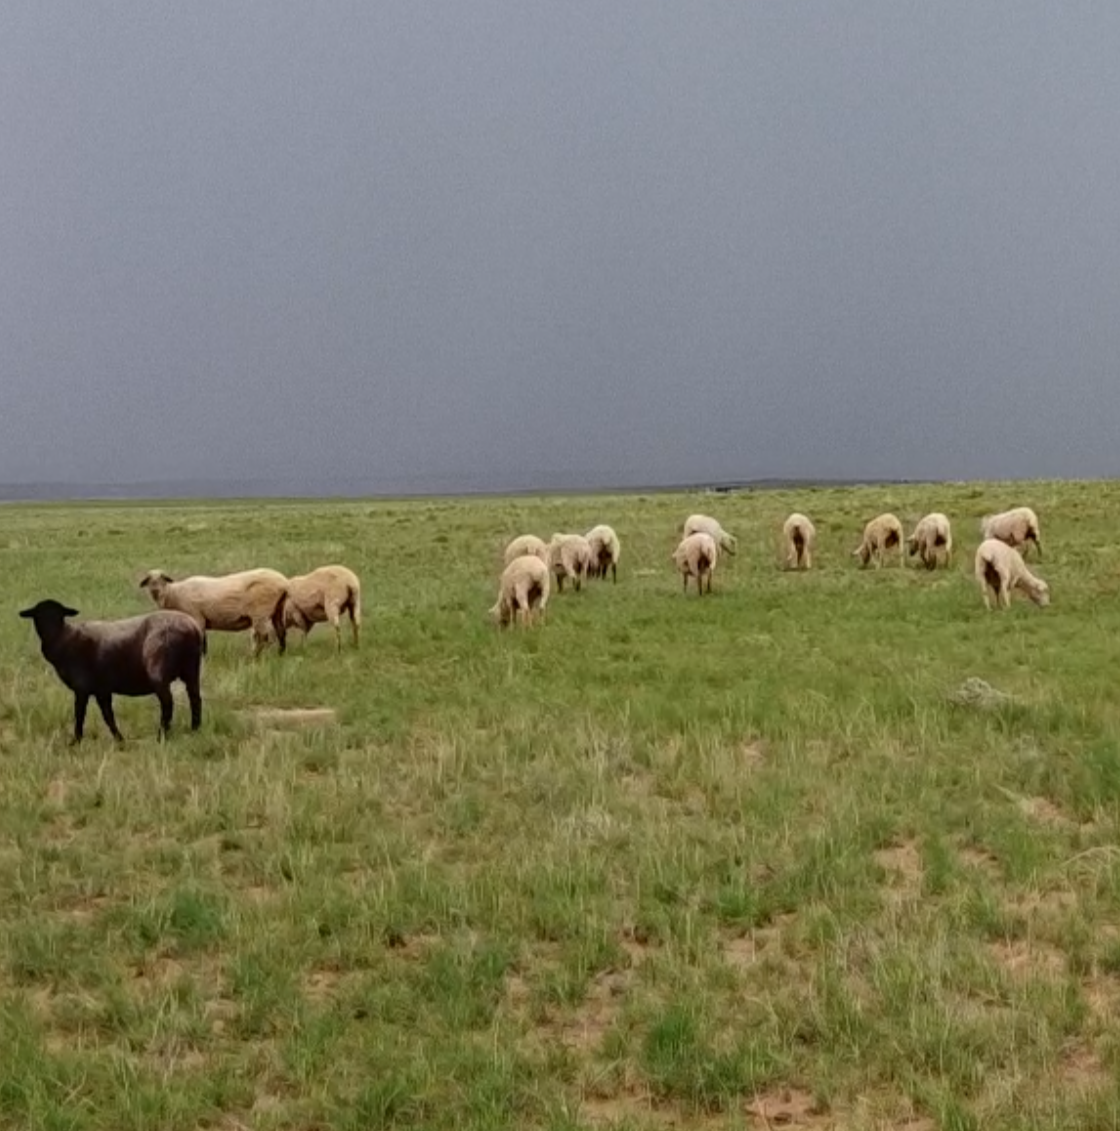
(599, 242)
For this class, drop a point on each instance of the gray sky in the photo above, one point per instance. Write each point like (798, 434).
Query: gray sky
(608, 243)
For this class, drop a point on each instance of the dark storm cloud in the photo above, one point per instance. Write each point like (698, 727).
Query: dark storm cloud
(613, 243)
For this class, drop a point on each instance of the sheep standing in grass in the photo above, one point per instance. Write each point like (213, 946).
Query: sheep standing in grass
(136, 656)
(526, 544)
(881, 534)
(605, 552)
(696, 556)
(932, 541)
(254, 598)
(705, 524)
(1015, 527)
(522, 592)
(322, 596)
(800, 537)
(1000, 569)
(569, 555)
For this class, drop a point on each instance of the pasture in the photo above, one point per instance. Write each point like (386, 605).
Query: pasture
(737, 861)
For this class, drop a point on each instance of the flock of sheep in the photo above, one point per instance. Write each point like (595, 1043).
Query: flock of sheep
(530, 562)
(145, 655)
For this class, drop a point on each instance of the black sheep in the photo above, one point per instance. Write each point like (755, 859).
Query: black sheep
(140, 655)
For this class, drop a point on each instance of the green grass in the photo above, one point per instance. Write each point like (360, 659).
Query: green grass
(727, 862)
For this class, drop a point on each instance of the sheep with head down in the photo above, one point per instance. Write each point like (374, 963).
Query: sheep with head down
(569, 555)
(705, 524)
(321, 597)
(526, 544)
(605, 551)
(1000, 569)
(882, 533)
(932, 541)
(253, 599)
(522, 592)
(800, 537)
(696, 556)
(1016, 527)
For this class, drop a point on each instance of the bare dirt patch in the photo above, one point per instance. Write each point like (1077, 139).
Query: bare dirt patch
(981, 859)
(903, 865)
(1025, 959)
(290, 716)
(1081, 1068)
(788, 1107)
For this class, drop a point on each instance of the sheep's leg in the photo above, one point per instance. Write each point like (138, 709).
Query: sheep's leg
(105, 702)
(614, 573)
(194, 698)
(166, 710)
(81, 702)
(355, 621)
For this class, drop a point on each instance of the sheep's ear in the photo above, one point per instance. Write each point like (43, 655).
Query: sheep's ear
(145, 581)
(66, 611)
(27, 614)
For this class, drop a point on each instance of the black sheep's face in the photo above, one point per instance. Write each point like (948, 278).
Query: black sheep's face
(49, 611)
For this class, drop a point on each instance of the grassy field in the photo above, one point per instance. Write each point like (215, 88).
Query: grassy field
(731, 862)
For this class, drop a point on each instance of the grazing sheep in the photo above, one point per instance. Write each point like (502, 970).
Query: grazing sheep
(932, 541)
(322, 596)
(879, 535)
(527, 544)
(522, 592)
(999, 569)
(696, 556)
(254, 598)
(605, 552)
(569, 555)
(140, 655)
(1015, 527)
(704, 524)
(800, 537)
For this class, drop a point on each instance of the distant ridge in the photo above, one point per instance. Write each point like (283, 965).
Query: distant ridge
(365, 489)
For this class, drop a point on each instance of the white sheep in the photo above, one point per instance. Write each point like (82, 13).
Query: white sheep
(881, 534)
(522, 592)
(526, 544)
(800, 537)
(696, 556)
(605, 551)
(254, 599)
(322, 596)
(1000, 569)
(1015, 527)
(569, 555)
(932, 540)
(705, 524)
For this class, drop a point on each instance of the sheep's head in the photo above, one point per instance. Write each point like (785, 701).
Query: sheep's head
(49, 611)
(863, 552)
(1039, 593)
(156, 583)
(501, 613)
(912, 545)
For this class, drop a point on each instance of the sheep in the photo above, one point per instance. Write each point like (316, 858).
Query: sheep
(879, 535)
(1015, 527)
(323, 595)
(569, 555)
(526, 544)
(932, 541)
(999, 569)
(704, 524)
(696, 556)
(522, 592)
(140, 655)
(605, 552)
(800, 537)
(254, 598)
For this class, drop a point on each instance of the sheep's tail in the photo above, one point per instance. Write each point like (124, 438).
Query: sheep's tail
(278, 618)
